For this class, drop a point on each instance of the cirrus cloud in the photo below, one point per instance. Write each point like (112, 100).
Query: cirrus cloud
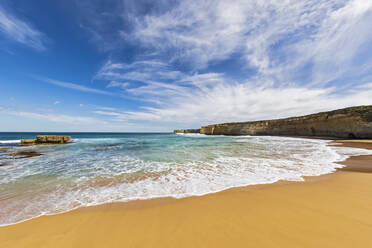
(302, 57)
(21, 31)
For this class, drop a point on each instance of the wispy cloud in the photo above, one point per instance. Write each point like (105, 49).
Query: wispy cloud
(337, 49)
(201, 32)
(21, 31)
(116, 84)
(105, 108)
(62, 118)
(300, 55)
(145, 70)
(241, 102)
(57, 122)
(277, 38)
(115, 115)
(156, 78)
(73, 86)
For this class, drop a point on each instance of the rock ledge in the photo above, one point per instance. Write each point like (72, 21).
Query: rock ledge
(46, 139)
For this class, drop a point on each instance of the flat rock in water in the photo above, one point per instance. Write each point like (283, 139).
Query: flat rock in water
(24, 154)
(52, 139)
(46, 139)
(28, 142)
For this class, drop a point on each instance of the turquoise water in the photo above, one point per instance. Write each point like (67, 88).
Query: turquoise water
(98, 168)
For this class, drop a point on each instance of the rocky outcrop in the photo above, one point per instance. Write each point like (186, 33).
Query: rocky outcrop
(354, 122)
(52, 139)
(28, 142)
(186, 131)
(24, 154)
(46, 139)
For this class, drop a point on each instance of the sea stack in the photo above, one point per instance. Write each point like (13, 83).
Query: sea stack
(46, 139)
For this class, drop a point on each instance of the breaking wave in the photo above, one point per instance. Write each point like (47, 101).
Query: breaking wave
(95, 170)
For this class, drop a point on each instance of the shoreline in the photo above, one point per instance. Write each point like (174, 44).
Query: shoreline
(112, 214)
(330, 142)
(358, 163)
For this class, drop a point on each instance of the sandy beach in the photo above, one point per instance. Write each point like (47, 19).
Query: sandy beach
(186, 124)
(333, 210)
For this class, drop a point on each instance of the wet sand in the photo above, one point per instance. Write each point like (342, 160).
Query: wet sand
(333, 210)
(359, 163)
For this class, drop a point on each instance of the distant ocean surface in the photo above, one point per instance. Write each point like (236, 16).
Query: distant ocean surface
(99, 168)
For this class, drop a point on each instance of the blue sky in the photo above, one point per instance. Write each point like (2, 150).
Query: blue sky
(158, 65)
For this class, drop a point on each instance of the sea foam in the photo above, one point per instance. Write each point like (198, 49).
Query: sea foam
(10, 141)
(94, 171)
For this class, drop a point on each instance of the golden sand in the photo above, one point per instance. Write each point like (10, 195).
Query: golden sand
(329, 211)
(355, 141)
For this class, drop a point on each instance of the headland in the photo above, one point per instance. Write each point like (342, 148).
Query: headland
(353, 122)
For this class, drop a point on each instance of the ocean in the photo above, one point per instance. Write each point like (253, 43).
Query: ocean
(98, 168)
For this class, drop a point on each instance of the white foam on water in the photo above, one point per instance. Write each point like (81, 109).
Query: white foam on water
(86, 179)
(10, 141)
(193, 135)
(201, 135)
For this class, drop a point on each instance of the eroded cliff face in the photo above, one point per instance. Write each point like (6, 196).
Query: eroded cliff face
(354, 122)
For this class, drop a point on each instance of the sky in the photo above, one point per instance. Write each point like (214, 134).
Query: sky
(154, 66)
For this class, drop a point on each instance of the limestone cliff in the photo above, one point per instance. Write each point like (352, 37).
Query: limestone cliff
(354, 122)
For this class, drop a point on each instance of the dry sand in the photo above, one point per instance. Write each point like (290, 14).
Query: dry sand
(328, 211)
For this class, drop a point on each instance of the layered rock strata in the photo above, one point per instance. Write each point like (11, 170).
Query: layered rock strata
(46, 139)
(354, 122)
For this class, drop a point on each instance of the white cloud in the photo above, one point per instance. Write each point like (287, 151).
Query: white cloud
(344, 36)
(106, 108)
(51, 122)
(201, 32)
(73, 86)
(203, 81)
(244, 102)
(114, 84)
(278, 38)
(21, 31)
(146, 70)
(295, 48)
(56, 102)
(55, 117)
(116, 116)
(158, 89)
(150, 78)
(156, 78)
